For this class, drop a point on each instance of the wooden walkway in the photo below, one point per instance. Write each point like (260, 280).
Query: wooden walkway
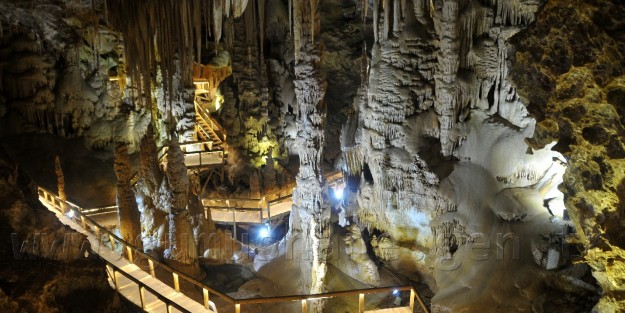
(125, 277)
(152, 295)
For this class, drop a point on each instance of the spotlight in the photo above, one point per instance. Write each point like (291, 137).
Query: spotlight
(70, 214)
(395, 292)
(338, 193)
(264, 231)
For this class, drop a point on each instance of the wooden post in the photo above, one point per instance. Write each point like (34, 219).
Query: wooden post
(237, 308)
(176, 282)
(115, 279)
(423, 306)
(84, 223)
(361, 303)
(304, 306)
(112, 239)
(151, 264)
(206, 297)
(129, 253)
(412, 294)
(169, 308)
(142, 296)
(234, 223)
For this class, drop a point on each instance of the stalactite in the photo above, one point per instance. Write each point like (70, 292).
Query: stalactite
(250, 27)
(217, 20)
(261, 27)
(386, 7)
(177, 31)
(290, 17)
(396, 15)
(376, 19)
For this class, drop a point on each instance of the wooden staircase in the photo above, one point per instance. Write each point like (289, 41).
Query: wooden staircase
(207, 128)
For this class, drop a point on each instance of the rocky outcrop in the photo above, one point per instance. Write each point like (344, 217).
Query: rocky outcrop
(438, 154)
(569, 66)
(37, 274)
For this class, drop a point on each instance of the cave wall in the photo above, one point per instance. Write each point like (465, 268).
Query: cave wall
(569, 66)
(437, 148)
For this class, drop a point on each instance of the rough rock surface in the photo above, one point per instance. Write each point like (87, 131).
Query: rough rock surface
(41, 279)
(570, 66)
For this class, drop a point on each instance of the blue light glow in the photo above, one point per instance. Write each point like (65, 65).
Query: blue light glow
(338, 193)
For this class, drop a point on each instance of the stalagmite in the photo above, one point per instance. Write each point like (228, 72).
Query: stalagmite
(309, 225)
(60, 178)
(128, 212)
(181, 249)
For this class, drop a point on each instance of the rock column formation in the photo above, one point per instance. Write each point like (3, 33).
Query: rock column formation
(181, 243)
(60, 178)
(128, 213)
(311, 214)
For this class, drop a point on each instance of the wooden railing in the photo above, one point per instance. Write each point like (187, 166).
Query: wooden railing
(129, 251)
(214, 126)
(114, 271)
(263, 204)
(135, 255)
(210, 73)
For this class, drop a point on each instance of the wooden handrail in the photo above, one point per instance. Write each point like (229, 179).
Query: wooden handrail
(237, 302)
(205, 116)
(157, 294)
(138, 251)
(333, 294)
